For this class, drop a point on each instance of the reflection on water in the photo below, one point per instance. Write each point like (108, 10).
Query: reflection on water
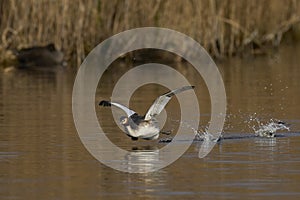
(42, 157)
(142, 160)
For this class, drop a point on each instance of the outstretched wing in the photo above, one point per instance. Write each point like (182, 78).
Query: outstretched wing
(162, 101)
(124, 108)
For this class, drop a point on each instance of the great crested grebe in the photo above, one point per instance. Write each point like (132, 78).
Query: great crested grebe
(145, 127)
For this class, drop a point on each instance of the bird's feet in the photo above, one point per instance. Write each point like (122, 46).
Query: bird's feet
(165, 140)
(168, 132)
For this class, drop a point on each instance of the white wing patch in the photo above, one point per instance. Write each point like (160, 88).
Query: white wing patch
(157, 107)
(124, 108)
(162, 101)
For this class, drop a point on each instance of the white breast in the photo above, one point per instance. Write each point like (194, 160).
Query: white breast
(144, 131)
(148, 132)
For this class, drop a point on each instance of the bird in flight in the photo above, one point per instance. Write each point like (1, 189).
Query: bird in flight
(145, 127)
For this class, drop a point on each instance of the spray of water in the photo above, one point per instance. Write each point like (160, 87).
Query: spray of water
(265, 128)
(269, 129)
(261, 127)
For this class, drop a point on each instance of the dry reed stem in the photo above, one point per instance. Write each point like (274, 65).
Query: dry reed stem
(76, 26)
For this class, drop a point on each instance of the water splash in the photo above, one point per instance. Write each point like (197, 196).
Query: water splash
(201, 134)
(261, 127)
(205, 136)
(270, 128)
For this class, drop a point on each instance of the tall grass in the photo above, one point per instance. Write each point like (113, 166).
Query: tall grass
(223, 27)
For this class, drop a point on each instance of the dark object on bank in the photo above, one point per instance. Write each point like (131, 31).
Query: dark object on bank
(39, 56)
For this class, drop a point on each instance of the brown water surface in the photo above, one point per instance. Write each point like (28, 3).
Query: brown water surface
(42, 157)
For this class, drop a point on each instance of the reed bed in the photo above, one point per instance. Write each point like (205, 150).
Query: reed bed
(224, 27)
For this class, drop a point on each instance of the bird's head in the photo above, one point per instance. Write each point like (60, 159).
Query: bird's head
(124, 121)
